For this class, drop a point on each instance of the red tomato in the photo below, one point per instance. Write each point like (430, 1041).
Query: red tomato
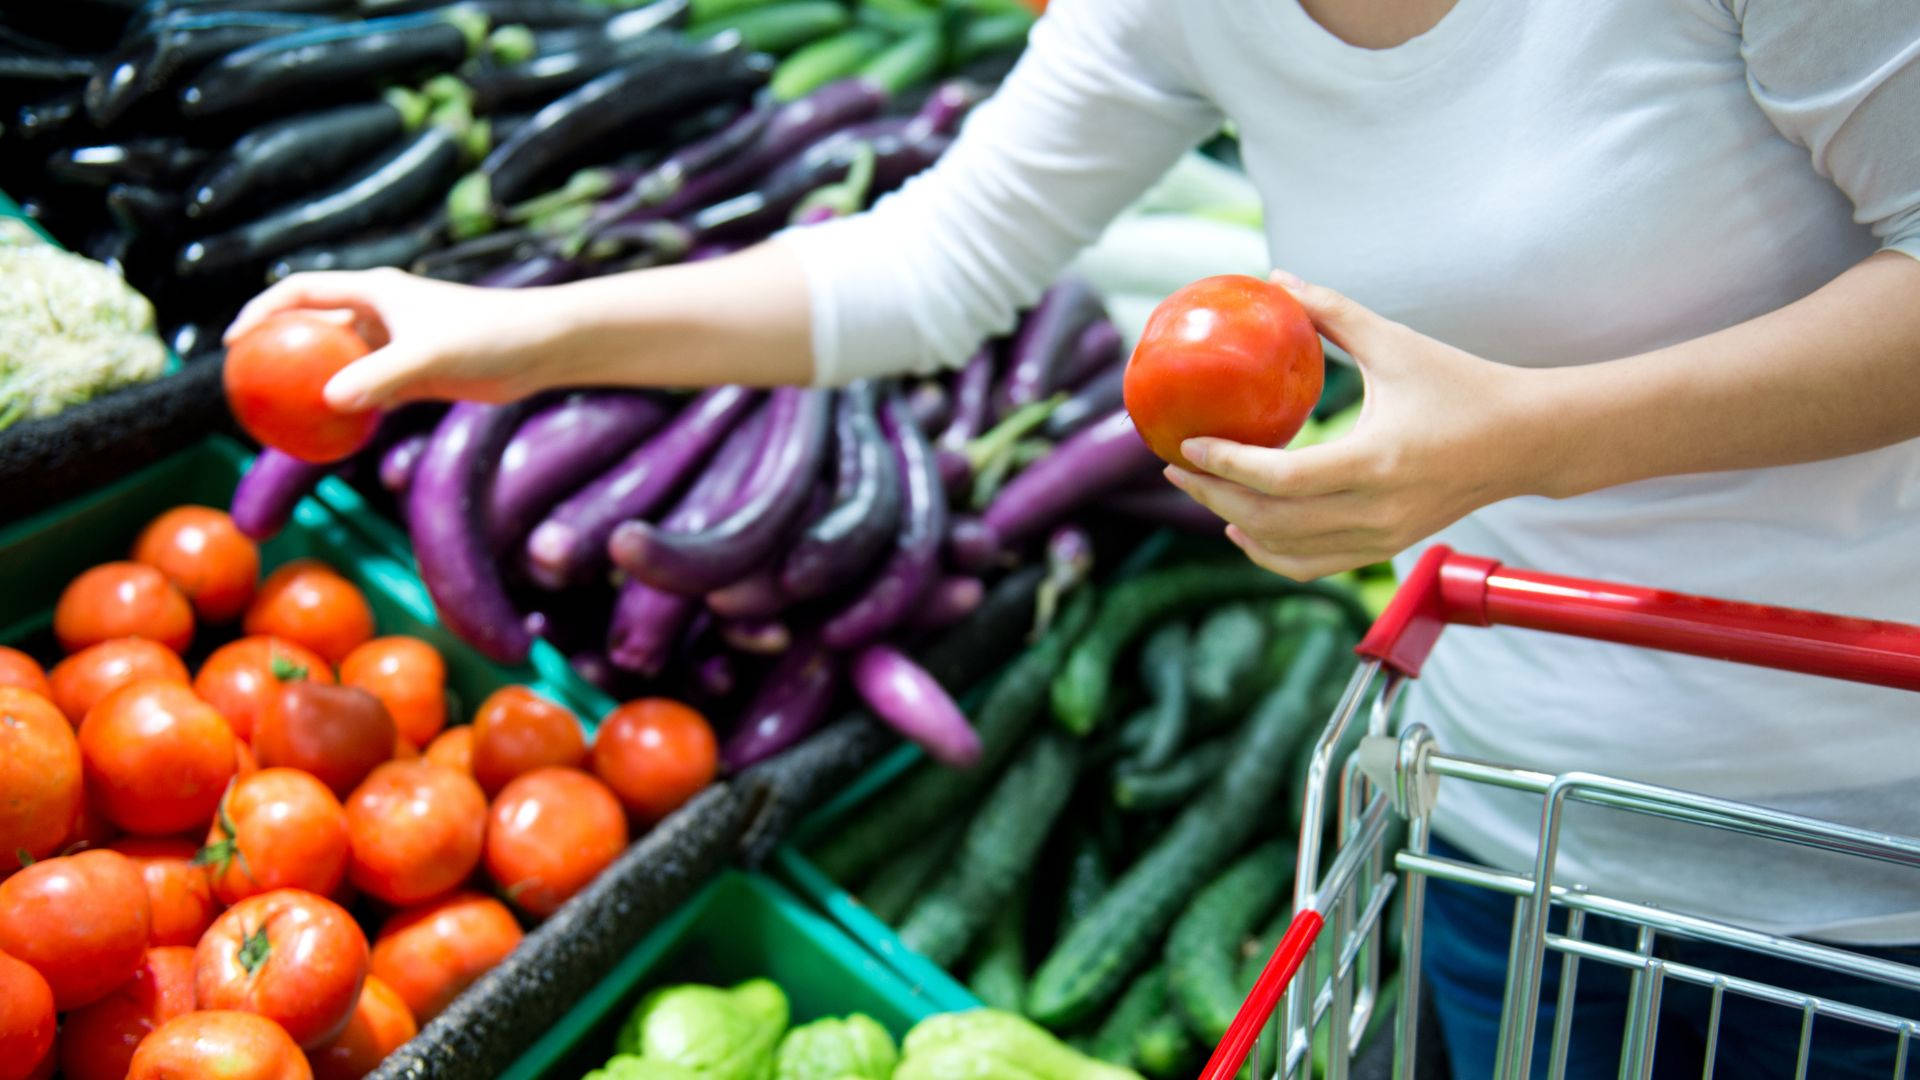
(239, 676)
(431, 953)
(379, 1024)
(179, 900)
(206, 557)
(452, 748)
(277, 829)
(275, 376)
(655, 754)
(122, 599)
(1232, 357)
(245, 764)
(337, 733)
(158, 757)
(26, 1019)
(550, 833)
(40, 774)
(309, 602)
(408, 677)
(81, 680)
(416, 830)
(80, 920)
(293, 957)
(228, 1045)
(23, 672)
(517, 731)
(100, 1039)
(91, 829)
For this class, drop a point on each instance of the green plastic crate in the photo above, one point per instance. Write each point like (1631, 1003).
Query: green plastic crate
(741, 926)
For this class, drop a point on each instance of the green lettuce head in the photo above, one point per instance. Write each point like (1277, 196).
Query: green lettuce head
(710, 1033)
(856, 1048)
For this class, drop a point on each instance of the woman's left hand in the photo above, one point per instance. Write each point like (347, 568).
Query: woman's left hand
(1442, 433)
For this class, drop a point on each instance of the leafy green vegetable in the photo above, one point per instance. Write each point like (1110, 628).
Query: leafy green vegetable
(857, 1047)
(986, 1044)
(706, 1032)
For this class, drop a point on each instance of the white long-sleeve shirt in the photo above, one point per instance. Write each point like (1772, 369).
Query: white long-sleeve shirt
(1540, 182)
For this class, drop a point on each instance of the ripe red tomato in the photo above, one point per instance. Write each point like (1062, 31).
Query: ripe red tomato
(158, 757)
(26, 1018)
(122, 599)
(655, 754)
(238, 677)
(80, 920)
(337, 733)
(517, 731)
(91, 829)
(206, 557)
(416, 830)
(179, 900)
(452, 748)
(277, 829)
(550, 833)
(379, 1024)
(293, 957)
(1232, 357)
(226, 1044)
(409, 678)
(40, 775)
(275, 377)
(23, 672)
(429, 954)
(100, 1039)
(81, 680)
(309, 602)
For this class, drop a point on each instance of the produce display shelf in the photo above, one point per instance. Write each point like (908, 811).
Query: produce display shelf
(740, 926)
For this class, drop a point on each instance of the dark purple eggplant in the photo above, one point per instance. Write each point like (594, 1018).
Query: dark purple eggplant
(1100, 396)
(1096, 350)
(931, 405)
(789, 705)
(398, 463)
(152, 161)
(948, 104)
(41, 76)
(468, 259)
(391, 247)
(389, 189)
(700, 156)
(560, 447)
(446, 521)
(144, 210)
(909, 571)
(756, 596)
(49, 119)
(893, 149)
(292, 156)
(836, 549)
(1100, 458)
(268, 491)
(757, 637)
(971, 546)
(1044, 341)
(972, 397)
(570, 546)
(176, 46)
(901, 693)
(544, 77)
(529, 272)
(950, 600)
(328, 61)
(1069, 563)
(1166, 505)
(697, 562)
(715, 250)
(714, 674)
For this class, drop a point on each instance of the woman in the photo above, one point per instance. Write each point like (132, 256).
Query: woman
(1635, 292)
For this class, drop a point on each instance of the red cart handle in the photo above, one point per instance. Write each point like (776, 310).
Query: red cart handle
(1292, 951)
(1447, 587)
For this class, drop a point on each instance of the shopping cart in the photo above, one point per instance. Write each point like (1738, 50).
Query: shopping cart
(1324, 974)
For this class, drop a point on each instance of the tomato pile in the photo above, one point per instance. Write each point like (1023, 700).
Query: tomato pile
(275, 851)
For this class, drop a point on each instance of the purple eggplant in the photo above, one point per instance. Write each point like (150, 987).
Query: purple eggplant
(1101, 395)
(263, 501)
(908, 699)
(948, 105)
(399, 461)
(972, 546)
(560, 447)
(714, 250)
(909, 571)
(698, 561)
(789, 705)
(534, 270)
(1086, 466)
(756, 596)
(757, 637)
(972, 396)
(1044, 342)
(931, 406)
(714, 674)
(836, 549)
(570, 546)
(596, 670)
(1095, 351)
(950, 600)
(893, 149)
(1164, 504)
(1069, 562)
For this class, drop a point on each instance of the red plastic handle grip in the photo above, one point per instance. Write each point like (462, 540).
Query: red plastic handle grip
(1447, 587)
(1254, 1012)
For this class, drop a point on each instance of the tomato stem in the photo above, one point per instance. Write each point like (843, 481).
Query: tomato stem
(254, 950)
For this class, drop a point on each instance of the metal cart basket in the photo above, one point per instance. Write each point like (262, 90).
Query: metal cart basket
(1324, 973)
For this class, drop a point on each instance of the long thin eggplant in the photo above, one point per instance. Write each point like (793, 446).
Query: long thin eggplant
(893, 149)
(560, 447)
(909, 571)
(836, 549)
(291, 156)
(152, 161)
(399, 461)
(330, 60)
(545, 77)
(1163, 505)
(1101, 457)
(790, 704)
(950, 600)
(931, 406)
(1096, 349)
(1045, 340)
(541, 269)
(49, 119)
(697, 562)
(972, 397)
(147, 211)
(901, 693)
(175, 47)
(1100, 396)
(389, 189)
(391, 247)
(264, 499)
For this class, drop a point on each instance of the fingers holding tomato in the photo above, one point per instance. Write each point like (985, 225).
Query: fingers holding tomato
(276, 375)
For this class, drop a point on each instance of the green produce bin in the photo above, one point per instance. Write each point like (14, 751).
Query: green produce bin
(741, 926)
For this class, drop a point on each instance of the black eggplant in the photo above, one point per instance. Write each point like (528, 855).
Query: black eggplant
(38, 76)
(295, 155)
(892, 150)
(391, 247)
(390, 189)
(177, 46)
(152, 160)
(544, 77)
(144, 210)
(57, 117)
(658, 15)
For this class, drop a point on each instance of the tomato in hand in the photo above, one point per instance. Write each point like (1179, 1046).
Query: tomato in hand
(179, 900)
(293, 957)
(158, 757)
(80, 920)
(311, 603)
(517, 731)
(429, 954)
(81, 680)
(409, 678)
(206, 557)
(40, 775)
(238, 677)
(550, 833)
(23, 672)
(122, 599)
(415, 830)
(226, 1044)
(276, 829)
(655, 754)
(100, 1039)
(275, 377)
(452, 748)
(380, 1023)
(26, 1018)
(1230, 357)
(337, 733)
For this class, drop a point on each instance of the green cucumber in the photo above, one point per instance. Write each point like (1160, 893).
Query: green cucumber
(705, 11)
(1137, 730)
(1227, 650)
(1145, 999)
(899, 881)
(1152, 790)
(999, 976)
(1164, 660)
(1165, 1048)
(897, 17)
(780, 28)
(1258, 949)
(1203, 949)
(1088, 879)
(813, 66)
(912, 61)
(985, 35)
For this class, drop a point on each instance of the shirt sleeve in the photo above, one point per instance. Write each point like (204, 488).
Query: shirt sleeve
(1842, 78)
(1096, 109)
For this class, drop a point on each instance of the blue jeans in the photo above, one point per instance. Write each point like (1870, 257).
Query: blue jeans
(1467, 934)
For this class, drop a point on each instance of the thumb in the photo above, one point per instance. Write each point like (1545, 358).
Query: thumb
(1339, 318)
(377, 379)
